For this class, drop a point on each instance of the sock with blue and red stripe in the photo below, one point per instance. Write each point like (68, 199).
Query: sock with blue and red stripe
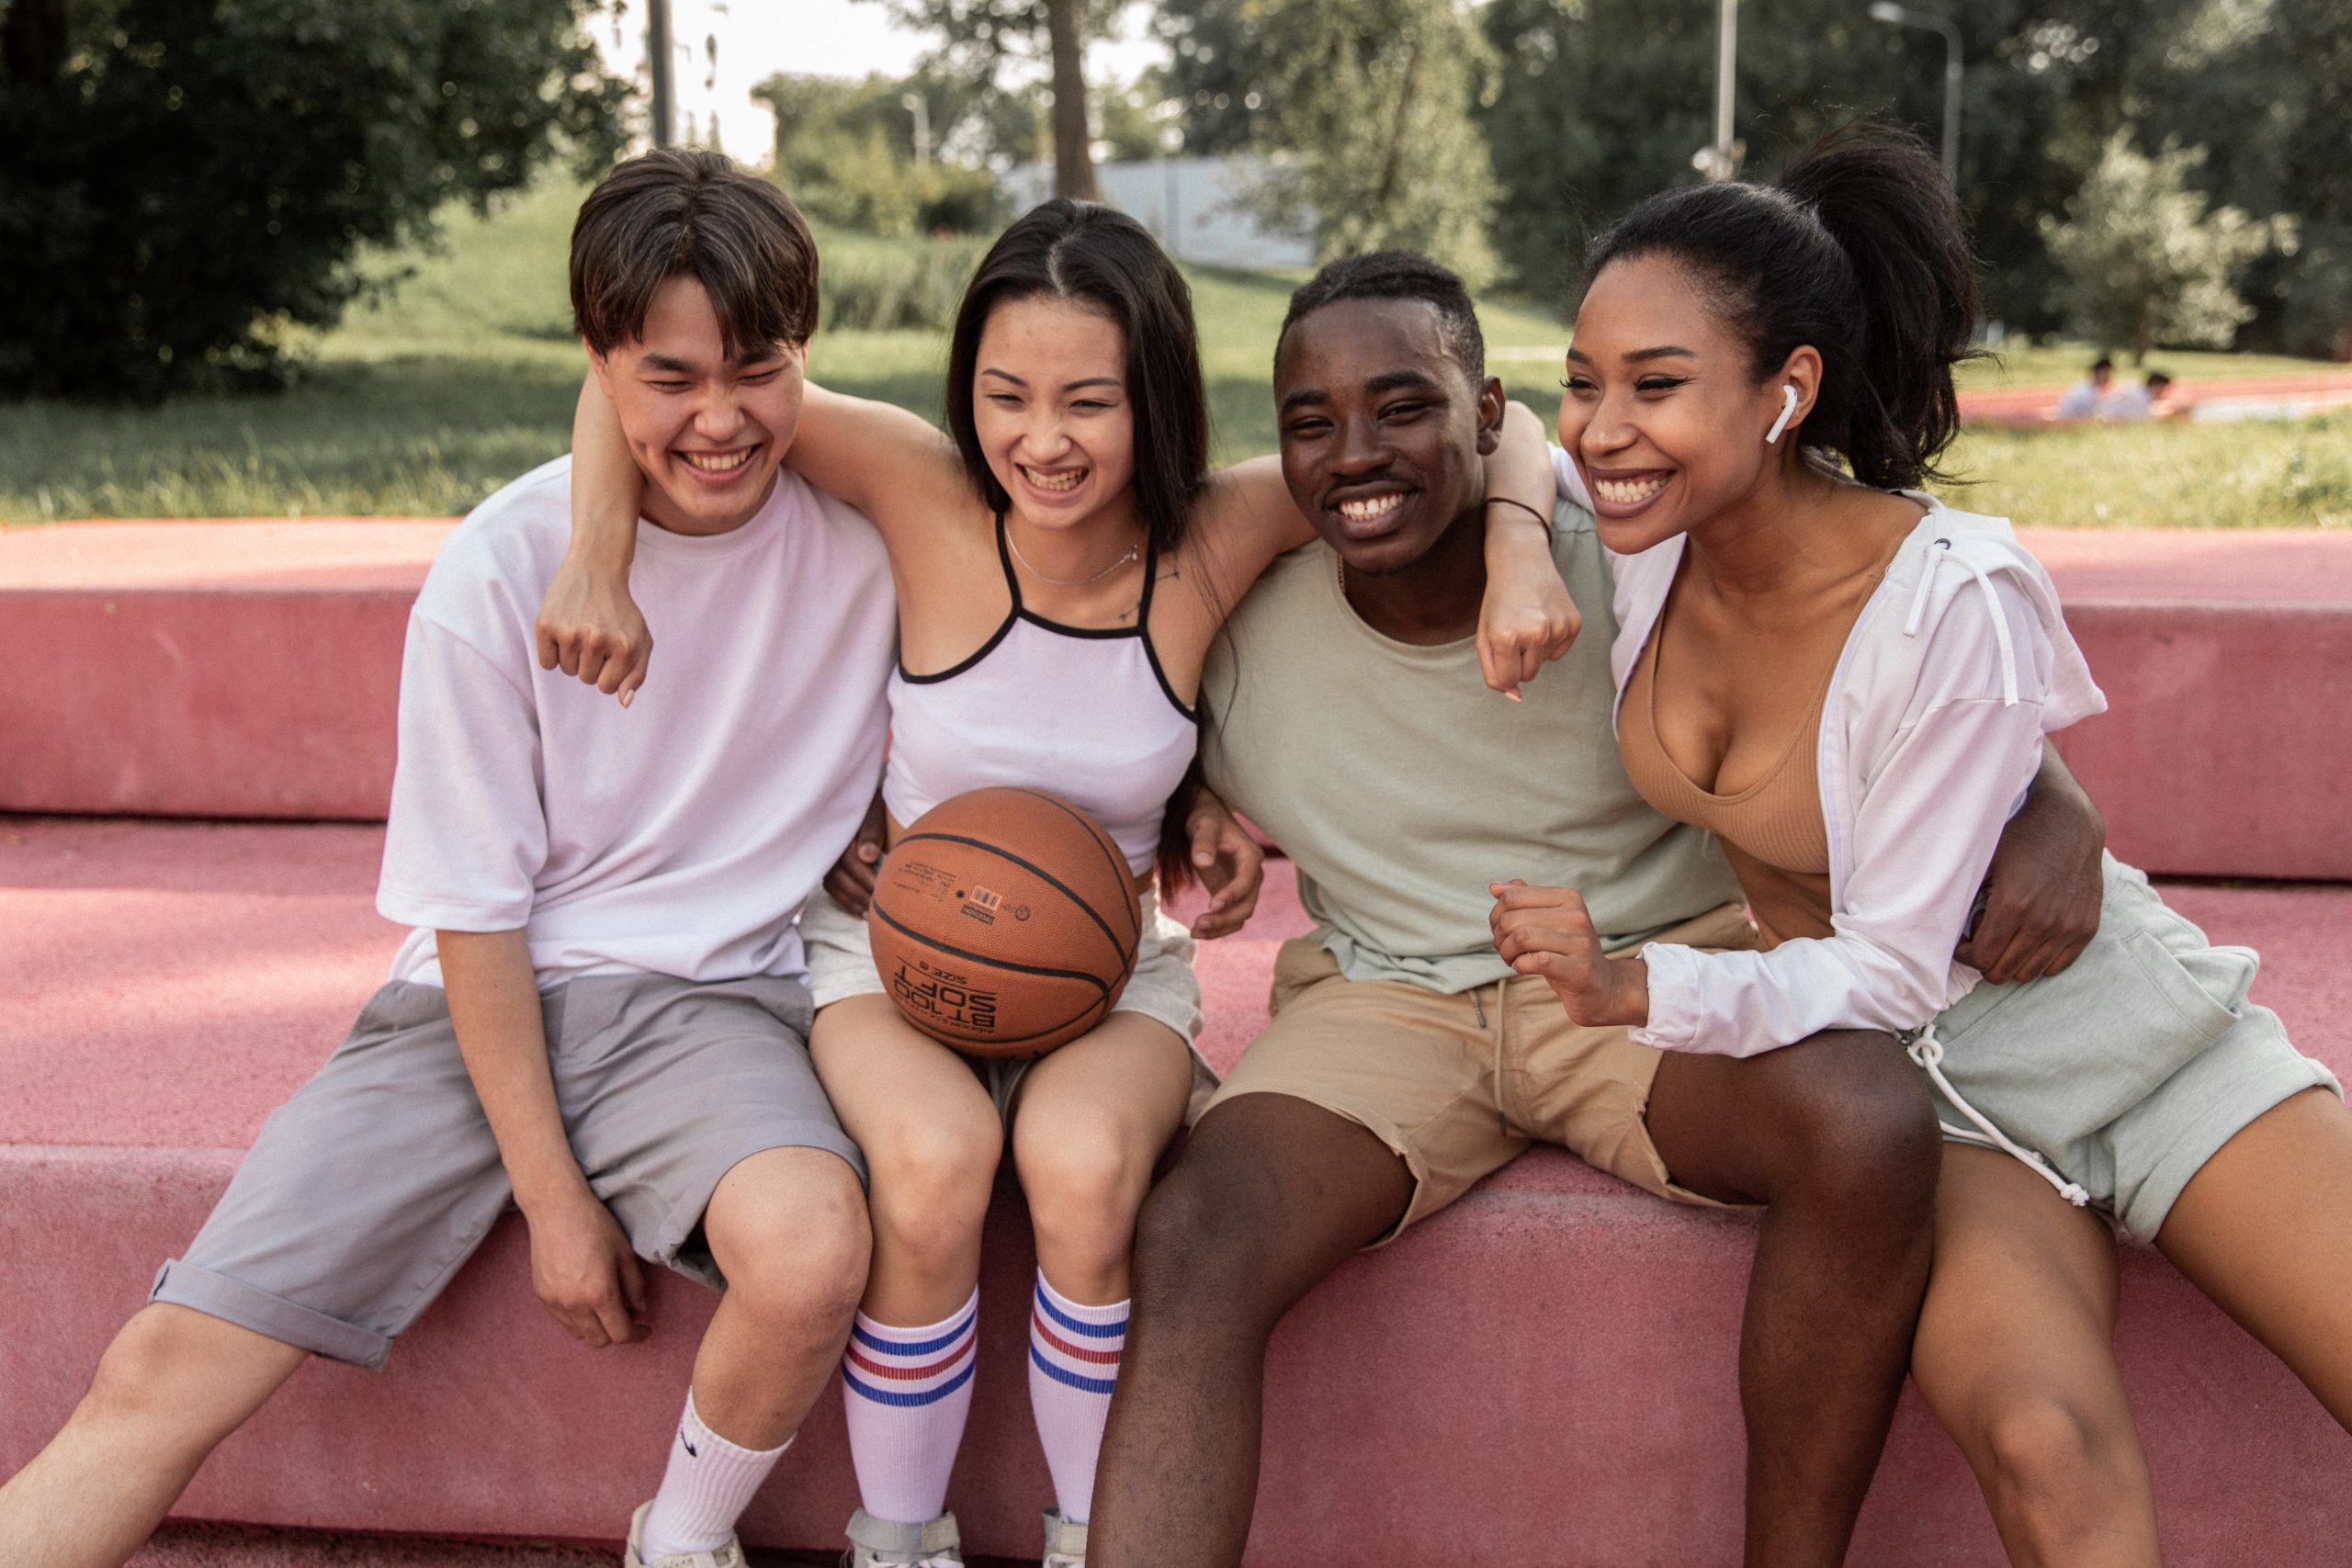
(907, 1392)
(1073, 1365)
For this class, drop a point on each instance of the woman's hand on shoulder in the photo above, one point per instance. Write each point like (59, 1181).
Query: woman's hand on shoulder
(1230, 865)
(589, 627)
(1548, 931)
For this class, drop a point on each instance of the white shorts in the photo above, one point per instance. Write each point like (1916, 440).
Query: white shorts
(839, 955)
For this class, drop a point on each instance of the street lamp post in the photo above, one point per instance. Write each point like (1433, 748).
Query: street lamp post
(1903, 16)
(914, 105)
(1720, 159)
(657, 55)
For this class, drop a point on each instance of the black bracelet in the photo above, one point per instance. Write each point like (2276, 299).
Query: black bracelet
(1505, 501)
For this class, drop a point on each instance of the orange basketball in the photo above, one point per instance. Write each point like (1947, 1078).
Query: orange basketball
(1005, 922)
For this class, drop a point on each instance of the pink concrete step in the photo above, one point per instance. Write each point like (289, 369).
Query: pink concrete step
(251, 670)
(1544, 1374)
(206, 668)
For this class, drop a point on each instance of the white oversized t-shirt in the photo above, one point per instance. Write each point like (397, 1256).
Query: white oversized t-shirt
(678, 836)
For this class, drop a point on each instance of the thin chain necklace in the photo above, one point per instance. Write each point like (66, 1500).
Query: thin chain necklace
(1133, 550)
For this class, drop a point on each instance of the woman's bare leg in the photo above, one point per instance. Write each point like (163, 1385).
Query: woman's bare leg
(2265, 1228)
(1089, 1124)
(2015, 1355)
(931, 1140)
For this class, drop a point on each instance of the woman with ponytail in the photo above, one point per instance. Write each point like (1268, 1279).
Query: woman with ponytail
(1850, 683)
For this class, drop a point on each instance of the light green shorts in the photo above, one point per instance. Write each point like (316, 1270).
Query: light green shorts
(2131, 1067)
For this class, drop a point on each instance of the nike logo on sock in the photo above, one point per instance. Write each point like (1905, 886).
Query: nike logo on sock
(688, 1443)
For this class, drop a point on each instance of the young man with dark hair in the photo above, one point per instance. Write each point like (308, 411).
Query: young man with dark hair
(1405, 1059)
(600, 1013)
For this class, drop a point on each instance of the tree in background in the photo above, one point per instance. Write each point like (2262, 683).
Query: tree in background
(846, 152)
(1371, 104)
(1219, 70)
(1601, 102)
(981, 37)
(2146, 262)
(2267, 86)
(182, 180)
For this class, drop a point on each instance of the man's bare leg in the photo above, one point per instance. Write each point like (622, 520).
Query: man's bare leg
(1270, 1196)
(171, 1386)
(1838, 1137)
(787, 1227)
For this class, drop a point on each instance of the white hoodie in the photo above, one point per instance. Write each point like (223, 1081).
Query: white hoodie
(1957, 666)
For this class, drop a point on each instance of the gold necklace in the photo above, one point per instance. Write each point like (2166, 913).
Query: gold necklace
(1133, 550)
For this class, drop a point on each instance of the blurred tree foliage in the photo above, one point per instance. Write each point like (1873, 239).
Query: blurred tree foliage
(1601, 102)
(846, 152)
(1370, 104)
(2148, 260)
(981, 39)
(180, 180)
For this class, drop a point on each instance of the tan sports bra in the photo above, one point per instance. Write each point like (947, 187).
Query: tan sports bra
(1773, 833)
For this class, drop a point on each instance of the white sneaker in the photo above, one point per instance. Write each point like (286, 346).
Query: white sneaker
(1065, 1542)
(728, 1556)
(883, 1543)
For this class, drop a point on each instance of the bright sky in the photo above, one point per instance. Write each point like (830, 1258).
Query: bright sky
(757, 39)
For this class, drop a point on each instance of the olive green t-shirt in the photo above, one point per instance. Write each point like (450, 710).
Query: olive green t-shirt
(1400, 785)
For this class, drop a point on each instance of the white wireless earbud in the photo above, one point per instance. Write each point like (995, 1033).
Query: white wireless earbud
(1788, 413)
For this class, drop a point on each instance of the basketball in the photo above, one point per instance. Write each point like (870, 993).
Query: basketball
(1005, 922)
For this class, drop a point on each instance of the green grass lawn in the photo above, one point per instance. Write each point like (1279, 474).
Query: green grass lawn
(463, 377)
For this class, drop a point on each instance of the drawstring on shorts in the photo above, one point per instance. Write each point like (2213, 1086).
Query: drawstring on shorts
(1925, 1049)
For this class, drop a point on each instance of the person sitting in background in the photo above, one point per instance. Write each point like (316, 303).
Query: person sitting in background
(2150, 399)
(2083, 399)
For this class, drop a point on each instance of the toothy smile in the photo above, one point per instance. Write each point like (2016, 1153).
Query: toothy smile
(1056, 482)
(1629, 492)
(719, 462)
(1370, 508)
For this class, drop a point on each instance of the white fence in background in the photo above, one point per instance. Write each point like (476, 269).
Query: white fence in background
(1191, 205)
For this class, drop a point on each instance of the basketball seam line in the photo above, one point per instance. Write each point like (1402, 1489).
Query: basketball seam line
(1043, 875)
(933, 941)
(1093, 832)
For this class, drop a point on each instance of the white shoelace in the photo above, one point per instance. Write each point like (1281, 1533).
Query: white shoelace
(1928, 1052)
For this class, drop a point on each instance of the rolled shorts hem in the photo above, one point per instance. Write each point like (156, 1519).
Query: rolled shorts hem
(2151, 1202)
(1418, 1207)
(686, 1214)
(184, 1284)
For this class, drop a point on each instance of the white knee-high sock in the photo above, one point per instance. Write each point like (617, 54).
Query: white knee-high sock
(708, 1486)
(1073, 1364)
(907, 1392)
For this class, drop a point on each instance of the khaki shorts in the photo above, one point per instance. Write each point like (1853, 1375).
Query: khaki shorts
(1460, 1084)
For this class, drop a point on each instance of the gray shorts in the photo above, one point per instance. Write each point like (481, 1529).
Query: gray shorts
(370, 1188)
(840, 954)
(2131, 1067)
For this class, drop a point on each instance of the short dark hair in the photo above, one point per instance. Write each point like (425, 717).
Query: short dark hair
(1397, 275)
(1861, 251)
(682, 212)
(2102, 363)
(2158, 381)
(1099, 257)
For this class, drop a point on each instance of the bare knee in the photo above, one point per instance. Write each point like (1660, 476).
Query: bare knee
(795, 1254)
(2054, 1468)
(931, 1181)
(1858, 1125)
(179, 1369)
(1199, 1243)
(1084, 1186)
